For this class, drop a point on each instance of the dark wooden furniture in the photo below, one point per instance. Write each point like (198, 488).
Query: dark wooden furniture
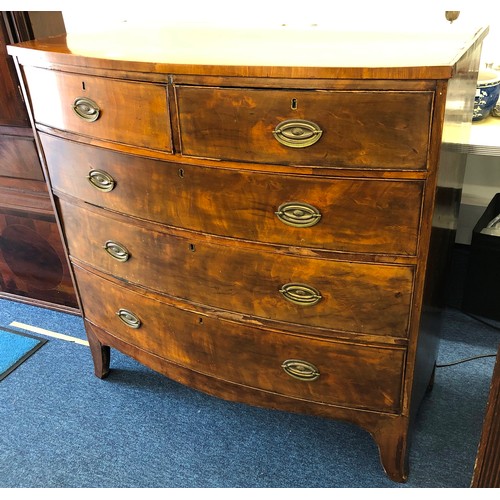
(487, 467)
(263, 216)
(33, 264)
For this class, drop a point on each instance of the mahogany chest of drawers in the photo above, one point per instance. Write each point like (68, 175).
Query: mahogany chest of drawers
(269, 233)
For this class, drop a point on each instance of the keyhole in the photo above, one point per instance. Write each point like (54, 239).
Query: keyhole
(83, 85)
(192, 247)
(181, 173)
(293, 103)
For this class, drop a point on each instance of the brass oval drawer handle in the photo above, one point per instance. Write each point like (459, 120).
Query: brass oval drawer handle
(301, 370)
(117, 251)
(101, 180)
(298, 214)
(300, 294)
(86, 109)
(297, 133)
(129, 318)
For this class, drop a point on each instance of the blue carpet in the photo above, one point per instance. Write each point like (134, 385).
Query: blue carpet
(15, 349)
(64, 428)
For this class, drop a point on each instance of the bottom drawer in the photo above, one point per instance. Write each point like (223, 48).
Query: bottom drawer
(336, 373)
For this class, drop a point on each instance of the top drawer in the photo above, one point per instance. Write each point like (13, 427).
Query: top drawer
(114, 110)
(375, 129)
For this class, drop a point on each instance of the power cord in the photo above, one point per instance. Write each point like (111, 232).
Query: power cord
(494, 355)
(466, 359)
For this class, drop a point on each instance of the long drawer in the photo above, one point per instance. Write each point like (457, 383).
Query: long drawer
(352, 215)
(248, 279)
(375, 129)
(114, 110)
(333, 373)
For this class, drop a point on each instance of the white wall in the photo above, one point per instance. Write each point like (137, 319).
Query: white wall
(359, 14)
(481, 183)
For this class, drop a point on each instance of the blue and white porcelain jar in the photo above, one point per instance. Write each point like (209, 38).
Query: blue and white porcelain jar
(487, 92)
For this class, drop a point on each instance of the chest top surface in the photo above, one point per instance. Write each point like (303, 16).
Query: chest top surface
(279, 51)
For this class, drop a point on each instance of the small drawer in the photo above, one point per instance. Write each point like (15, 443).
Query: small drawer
(372, 129)
(247, 279)
(345, 374)
(351, 215)
(112, 110)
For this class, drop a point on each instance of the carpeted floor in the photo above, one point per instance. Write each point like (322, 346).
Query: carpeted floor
(62, 427)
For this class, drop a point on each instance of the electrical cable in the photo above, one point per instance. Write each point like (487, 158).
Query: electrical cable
(459, 361)
(466, 359)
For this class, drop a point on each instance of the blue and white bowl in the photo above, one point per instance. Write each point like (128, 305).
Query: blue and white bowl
(487, 92)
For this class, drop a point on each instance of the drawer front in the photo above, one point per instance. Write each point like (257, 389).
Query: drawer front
(128, 112)
(354, 297)
(349, 374)
(375, 129)
(363, 215)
